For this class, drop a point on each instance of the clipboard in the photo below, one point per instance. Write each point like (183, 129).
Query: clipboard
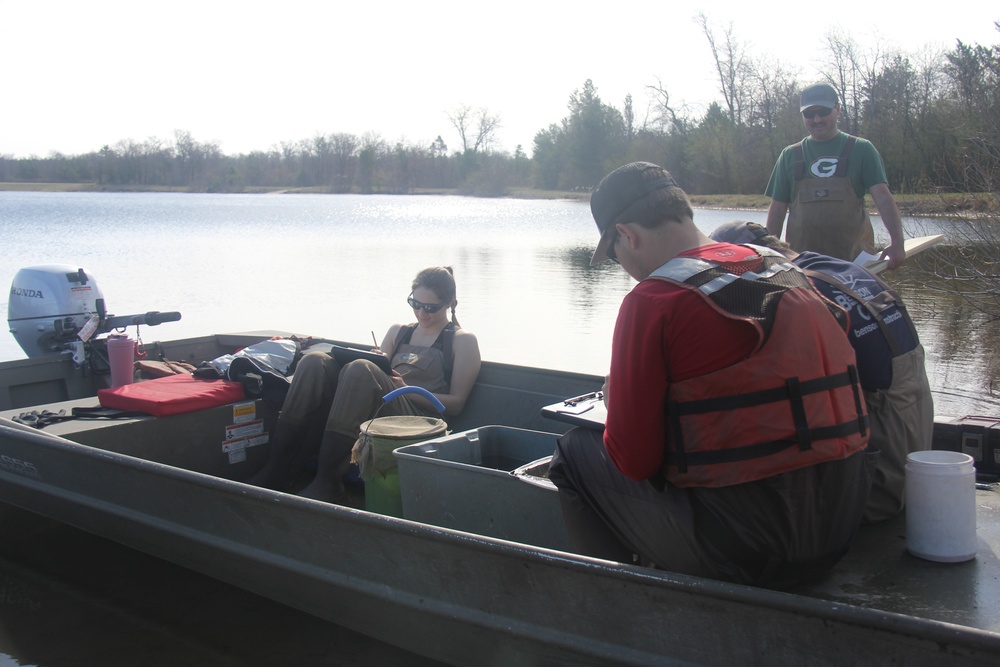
(910, 247)
(345, 355)
(587, 410)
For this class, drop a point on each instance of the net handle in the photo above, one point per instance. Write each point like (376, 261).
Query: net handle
(392, 395)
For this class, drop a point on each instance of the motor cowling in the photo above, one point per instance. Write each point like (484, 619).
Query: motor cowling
(49, 305)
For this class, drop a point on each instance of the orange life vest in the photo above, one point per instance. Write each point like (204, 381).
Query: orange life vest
(795, 402)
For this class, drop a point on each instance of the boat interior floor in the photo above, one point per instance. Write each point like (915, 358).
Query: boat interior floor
(878, 573)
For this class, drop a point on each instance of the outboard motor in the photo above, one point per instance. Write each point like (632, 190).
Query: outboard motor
(50, 305)
(56, 308)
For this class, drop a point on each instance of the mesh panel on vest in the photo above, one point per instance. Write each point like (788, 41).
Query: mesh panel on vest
(758, 298)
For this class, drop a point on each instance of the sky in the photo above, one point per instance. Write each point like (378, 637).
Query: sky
(251, 75)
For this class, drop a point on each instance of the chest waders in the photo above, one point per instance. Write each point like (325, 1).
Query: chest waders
(827, 216)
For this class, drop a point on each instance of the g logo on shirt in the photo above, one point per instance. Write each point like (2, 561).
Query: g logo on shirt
(825, 167)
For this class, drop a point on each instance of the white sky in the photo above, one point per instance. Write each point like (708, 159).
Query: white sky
(249, 74)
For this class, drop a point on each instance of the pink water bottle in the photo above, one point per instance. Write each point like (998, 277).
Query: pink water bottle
(121, 356)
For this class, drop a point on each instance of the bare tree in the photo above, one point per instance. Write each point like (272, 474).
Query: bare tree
(731, 65)
(461, 119)
(476, 128)
(629, 115)
(773, 106)
(854, 73)
(488, 124)
(372, 151)
(345, 147)
(664, 115)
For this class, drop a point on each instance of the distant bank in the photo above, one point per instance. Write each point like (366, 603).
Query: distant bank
(911, 205)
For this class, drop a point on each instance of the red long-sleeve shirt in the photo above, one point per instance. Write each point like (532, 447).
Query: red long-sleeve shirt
(665, 334)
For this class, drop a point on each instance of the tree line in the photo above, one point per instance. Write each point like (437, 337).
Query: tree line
(932, 116)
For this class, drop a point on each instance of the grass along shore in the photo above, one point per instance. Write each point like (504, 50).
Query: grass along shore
(911, 205)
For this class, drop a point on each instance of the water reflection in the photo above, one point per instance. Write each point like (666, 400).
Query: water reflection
(960, 340)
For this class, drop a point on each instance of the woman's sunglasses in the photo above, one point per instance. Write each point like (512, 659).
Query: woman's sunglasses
(426, 307)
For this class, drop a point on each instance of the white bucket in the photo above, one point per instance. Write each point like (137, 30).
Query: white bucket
(941, 506)
(121, 357)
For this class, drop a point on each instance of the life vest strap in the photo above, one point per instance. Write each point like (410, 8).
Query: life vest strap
(764, 396)
(794, 392)
(799, 418)
(763, 449)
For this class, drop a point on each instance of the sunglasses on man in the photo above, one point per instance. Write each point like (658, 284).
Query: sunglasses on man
(822, 112)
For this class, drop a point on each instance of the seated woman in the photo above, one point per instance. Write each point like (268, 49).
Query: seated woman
(433, 353)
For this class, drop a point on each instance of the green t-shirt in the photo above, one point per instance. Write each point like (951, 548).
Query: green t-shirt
(864, 169)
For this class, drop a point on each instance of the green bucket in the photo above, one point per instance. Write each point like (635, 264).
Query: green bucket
(379, 438)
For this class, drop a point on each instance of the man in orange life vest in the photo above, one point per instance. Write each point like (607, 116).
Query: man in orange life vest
(733, 446)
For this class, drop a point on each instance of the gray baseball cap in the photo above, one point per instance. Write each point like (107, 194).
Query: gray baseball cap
(617, 192)
(818, 95)
(738, 232)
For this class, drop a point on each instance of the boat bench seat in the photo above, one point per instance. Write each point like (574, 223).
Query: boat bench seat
(519, 394)
(226, 441)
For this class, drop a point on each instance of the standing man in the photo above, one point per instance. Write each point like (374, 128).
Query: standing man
(735, 421)
(821, 182)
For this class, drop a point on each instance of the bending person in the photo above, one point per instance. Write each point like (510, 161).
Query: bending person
(890, 360)
(708, 464)
(434, 353)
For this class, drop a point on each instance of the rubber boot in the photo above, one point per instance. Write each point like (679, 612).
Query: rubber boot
(285, 445)
(334, 464)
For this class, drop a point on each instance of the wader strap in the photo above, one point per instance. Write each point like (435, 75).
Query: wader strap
(800, 162)
(447, 342)
(845, 155)
(403, 336)
(856, 387)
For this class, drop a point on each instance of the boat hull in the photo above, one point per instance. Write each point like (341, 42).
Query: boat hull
(467, 599)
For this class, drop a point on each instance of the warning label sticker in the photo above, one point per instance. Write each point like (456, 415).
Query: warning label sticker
(245, 430)
(239, 444)
(244, 412)
(237, 449)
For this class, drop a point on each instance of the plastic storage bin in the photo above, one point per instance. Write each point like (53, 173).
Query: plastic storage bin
(467, 481)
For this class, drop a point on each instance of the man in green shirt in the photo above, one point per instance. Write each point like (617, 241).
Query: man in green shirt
(821, 182)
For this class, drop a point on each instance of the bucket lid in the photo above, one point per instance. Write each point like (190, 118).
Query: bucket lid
(405, 427)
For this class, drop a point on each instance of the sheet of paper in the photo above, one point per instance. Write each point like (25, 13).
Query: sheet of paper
(865, 258)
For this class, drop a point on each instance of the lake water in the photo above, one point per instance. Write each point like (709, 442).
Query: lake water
(337, 266)
(340, 266)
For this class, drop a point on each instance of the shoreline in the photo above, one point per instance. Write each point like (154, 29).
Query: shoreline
(954, 205)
